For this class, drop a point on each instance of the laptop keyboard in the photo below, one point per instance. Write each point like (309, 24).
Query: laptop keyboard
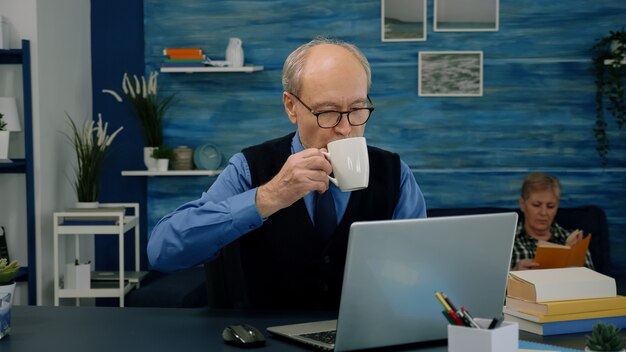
(323, 336)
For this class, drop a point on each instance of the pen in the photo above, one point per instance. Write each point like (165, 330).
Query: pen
(442, 300)
(445, 297)
(448, 309)
(495, 322)
(466, 321)
(448, 317)
(456, 318)
(471, 320)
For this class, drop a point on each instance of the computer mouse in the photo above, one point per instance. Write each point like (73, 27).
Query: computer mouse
(244, 335)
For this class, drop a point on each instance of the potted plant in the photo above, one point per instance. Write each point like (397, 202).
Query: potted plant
(604, 337)
(609, 70)
(3, 125)
(163, 154)
(148, 107)
(90, 145)
(8, 271)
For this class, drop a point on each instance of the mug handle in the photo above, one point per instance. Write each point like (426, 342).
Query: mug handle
(331, 179)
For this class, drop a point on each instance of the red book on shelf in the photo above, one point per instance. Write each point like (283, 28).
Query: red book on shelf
(198, 57)
(184, 51)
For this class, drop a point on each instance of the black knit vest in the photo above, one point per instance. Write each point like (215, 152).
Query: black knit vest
(285, 264)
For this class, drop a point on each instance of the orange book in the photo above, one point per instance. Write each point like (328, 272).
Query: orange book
(551, 255)
(182, 51)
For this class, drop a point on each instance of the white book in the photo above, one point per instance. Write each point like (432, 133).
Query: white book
(544, 285)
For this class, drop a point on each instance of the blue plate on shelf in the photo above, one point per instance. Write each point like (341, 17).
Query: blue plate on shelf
(207, 157)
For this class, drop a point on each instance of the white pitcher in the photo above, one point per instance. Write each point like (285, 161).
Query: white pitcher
(234, 52)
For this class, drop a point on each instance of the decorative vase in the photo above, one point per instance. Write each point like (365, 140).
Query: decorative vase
(87, 205)
(182, 158)
(4, 145)
(6, 302)
(162, 164)
(234, 52)
(148, 160)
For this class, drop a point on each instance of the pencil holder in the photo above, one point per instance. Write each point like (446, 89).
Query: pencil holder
(466, 339)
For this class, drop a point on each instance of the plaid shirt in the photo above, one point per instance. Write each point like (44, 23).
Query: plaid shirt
(525, 246)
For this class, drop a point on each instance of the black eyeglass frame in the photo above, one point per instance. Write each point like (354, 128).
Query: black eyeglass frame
(341, 113)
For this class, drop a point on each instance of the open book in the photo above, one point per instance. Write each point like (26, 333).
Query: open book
(551, 255)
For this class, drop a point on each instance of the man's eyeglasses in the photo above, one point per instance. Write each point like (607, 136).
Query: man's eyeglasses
(331, 118)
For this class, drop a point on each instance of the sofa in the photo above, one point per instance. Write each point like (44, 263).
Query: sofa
(181, 289)
(590, 219)
(200, 286)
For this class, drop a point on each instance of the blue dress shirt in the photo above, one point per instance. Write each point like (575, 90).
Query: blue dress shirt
(196, 231)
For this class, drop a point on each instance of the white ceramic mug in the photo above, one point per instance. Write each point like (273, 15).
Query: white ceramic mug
(350, 162)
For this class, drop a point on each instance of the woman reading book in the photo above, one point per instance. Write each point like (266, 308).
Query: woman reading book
(539, 203)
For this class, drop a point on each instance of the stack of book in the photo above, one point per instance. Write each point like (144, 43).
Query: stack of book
(184, 57)
(562, 301)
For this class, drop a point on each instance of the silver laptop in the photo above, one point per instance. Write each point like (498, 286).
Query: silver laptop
(393, 269)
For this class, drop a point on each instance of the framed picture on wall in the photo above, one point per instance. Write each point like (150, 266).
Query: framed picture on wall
(403, 20)
(466, 15)
(450, 74)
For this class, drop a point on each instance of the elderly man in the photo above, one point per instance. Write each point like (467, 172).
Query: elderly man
(264, 202)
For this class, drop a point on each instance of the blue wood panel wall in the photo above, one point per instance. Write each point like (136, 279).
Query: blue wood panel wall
(536, 114)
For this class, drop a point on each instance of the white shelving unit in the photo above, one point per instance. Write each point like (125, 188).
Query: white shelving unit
(24, 166)
(209, 69)
(171, 173)
(109, 219)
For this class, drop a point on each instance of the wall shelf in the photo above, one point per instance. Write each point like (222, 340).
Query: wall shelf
(171, 173)
(210, 69)
(12, 166)
(25, 166)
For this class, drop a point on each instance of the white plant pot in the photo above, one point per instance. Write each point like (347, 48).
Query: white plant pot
(4, 144)
(7, 292)
(162, 164)
(87, 205)
(148, 160)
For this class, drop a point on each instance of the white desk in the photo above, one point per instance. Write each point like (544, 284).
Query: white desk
(109, 219)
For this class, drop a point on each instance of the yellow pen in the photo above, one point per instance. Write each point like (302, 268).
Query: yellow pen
(446, 306)
(442, 301)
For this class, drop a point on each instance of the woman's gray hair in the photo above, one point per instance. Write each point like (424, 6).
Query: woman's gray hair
(292, 69)
(539, 182)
